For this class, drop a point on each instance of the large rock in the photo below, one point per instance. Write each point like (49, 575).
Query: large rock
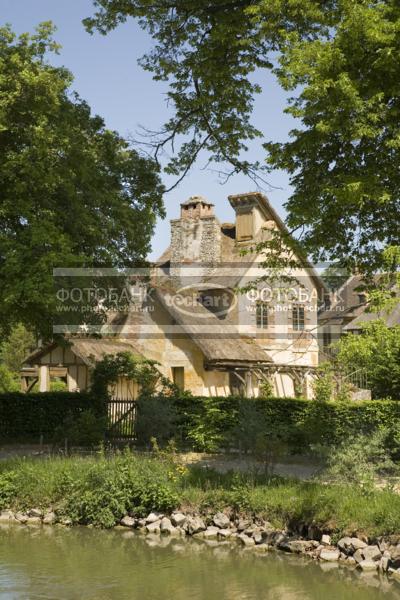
(211, 532)
(371, 553)
(153, 517)
(128, 521)
(368, 565)
(349, 545)
(166, 526)
(6, 515)
(246, 540)
(194, 525)
(178, 519)
(243, 524)
(225, 533)
(50, 518)
(358, 556)
(326, 540)
(21, 517)
(300, 546)
(34, 521)
(329, 555)
(221, 520)
(153, 527)
(258, 537)
(35, 512)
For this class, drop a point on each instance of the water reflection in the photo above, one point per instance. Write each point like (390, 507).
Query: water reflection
(79, 563)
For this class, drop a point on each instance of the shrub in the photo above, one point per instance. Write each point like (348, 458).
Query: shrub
(85, 429)
(156, 417)
(361, 460)
(8, 488)
(112, 488)
(266, 425)
(28, 416)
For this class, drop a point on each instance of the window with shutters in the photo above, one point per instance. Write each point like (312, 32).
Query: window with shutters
(244, 226)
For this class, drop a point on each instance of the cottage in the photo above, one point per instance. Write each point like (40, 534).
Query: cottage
(200, 315)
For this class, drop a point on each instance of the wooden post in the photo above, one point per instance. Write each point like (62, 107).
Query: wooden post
(44, 378)
(249, 384)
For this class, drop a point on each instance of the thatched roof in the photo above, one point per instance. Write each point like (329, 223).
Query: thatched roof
(218, 341)
(90, 350)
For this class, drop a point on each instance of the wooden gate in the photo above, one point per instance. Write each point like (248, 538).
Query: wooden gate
(121, 419)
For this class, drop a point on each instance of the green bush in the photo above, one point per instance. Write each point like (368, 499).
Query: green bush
(85, 429)
(156, 417)
(8, 488)
(207, 424)
(26, 417)
(361, 460)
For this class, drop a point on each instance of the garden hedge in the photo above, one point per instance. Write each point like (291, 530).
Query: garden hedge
(208, 423)
(27, 417)
(204, 423)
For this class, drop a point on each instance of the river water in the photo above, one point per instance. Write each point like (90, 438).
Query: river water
(86, 564)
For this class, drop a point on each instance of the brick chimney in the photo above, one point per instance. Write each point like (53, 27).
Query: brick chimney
(196, 236)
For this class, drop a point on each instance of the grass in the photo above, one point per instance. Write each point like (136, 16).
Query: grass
(99, 490)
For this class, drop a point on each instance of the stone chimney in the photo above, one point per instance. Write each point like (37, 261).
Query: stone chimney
(196, 236)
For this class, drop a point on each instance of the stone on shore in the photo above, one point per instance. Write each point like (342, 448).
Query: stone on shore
(166, 526)
(300, 546)
(178, 519)
(243, 524)
(128, 521)
(6, 515)
(358, 557)
(34, 521)
(194, 525)
(246, 540)
(50, 518)
(368, 565)
(153, 517)
(326, 540)
(350, 545)
(35, 512)
(329, 555)
(225, 533)
(211, 532)
(153, 527)
(371, 553)
(221, 520)
(21, 517)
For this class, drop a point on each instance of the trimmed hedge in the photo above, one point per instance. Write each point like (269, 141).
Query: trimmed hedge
(26, 417)
(208, 423)
(204, 423)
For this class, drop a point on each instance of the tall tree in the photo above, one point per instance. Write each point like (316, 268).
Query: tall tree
(72, 192)
(340, 60)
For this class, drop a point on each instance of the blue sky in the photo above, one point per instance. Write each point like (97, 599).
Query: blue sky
(108, 77)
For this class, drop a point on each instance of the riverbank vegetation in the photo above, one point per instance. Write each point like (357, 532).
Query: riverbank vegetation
(99, 490)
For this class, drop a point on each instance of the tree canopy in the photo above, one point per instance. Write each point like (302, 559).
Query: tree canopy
(72, 192)
(377, 352)
(338, 58)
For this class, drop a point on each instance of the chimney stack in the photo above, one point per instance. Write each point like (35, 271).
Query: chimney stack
(196, 236)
